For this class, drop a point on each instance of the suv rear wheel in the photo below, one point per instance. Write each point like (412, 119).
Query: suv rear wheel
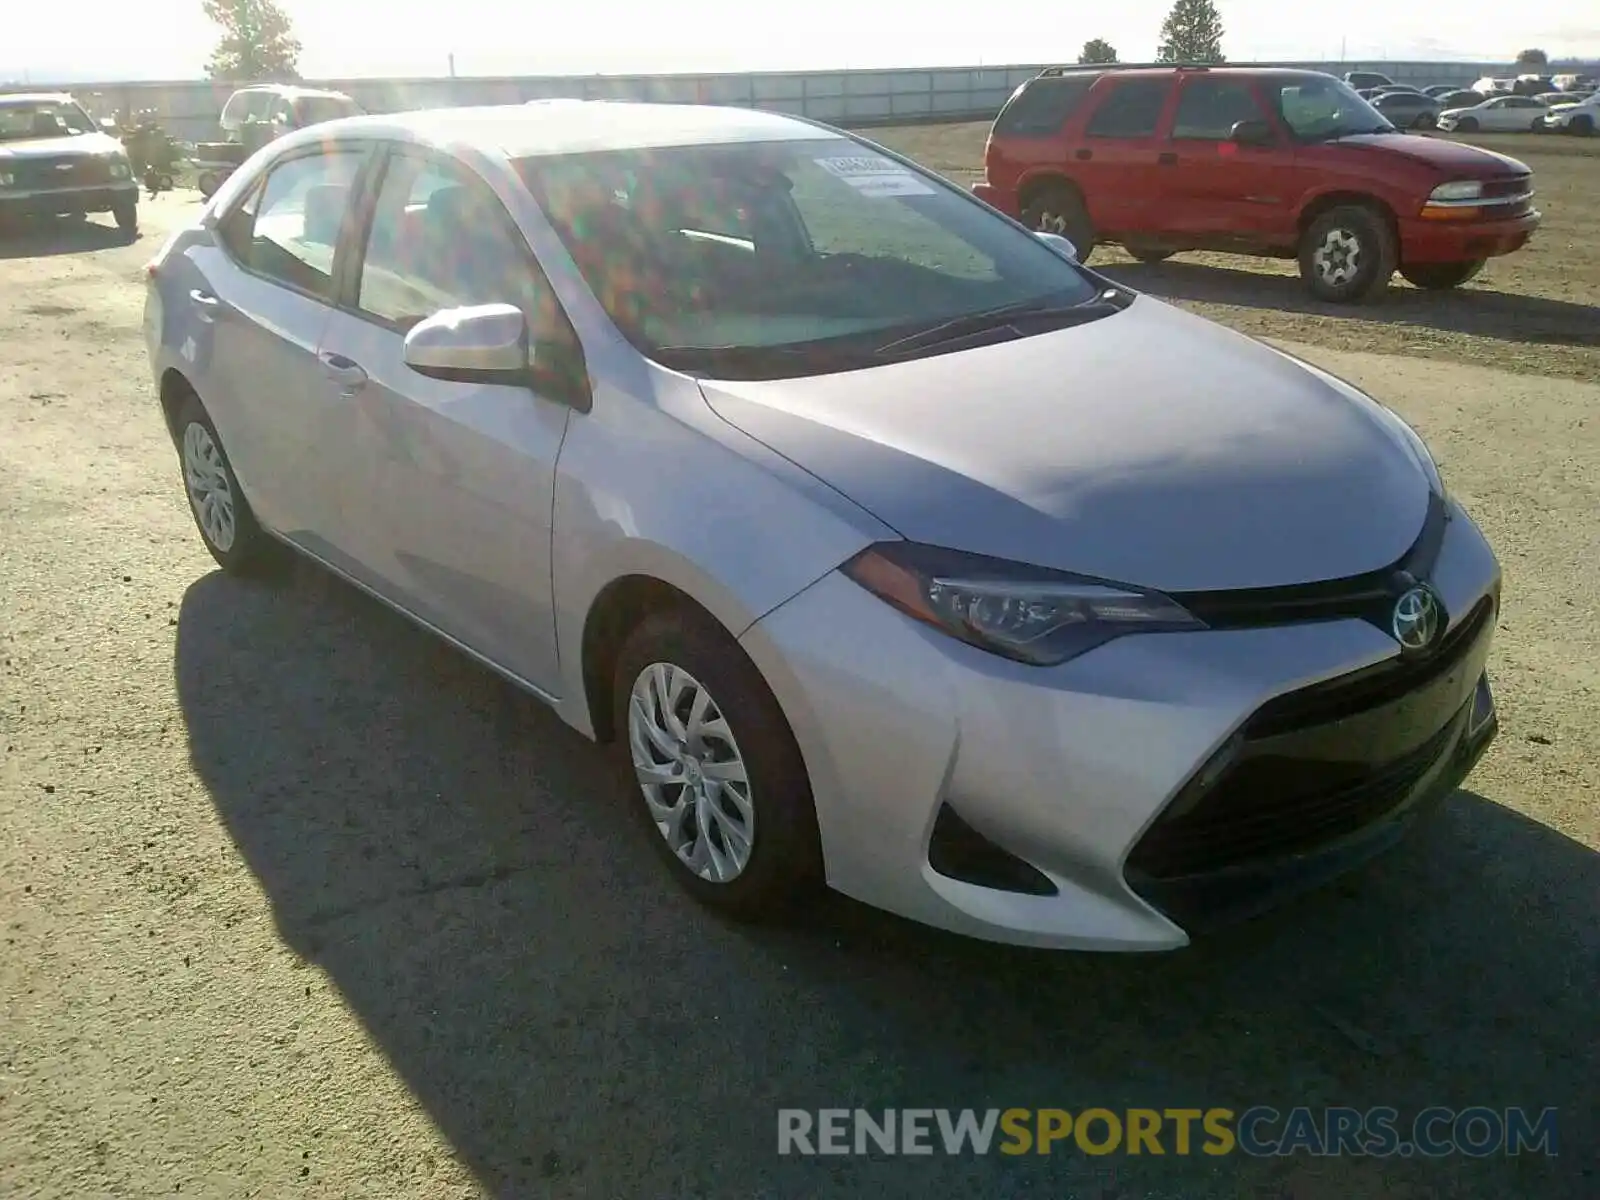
(1439, 276)
(1058, 208)
(1147, 252)
(1348, 254)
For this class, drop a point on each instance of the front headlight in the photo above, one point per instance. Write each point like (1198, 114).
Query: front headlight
(120, 169)
(7, 179)
(1028, 614)
(1461, 189)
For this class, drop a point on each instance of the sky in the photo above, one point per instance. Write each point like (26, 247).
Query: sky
(97, 39)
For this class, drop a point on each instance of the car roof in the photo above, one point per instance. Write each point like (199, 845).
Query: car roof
(36, 98)
(290, 90)
(533, 130)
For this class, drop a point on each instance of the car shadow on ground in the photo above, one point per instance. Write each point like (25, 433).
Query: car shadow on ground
(48, 239)
(465, 870)
(1480, 312)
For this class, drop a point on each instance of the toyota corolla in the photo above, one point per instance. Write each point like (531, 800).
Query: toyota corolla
(891, 548)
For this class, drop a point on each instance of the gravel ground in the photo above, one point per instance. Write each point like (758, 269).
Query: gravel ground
(298, 902)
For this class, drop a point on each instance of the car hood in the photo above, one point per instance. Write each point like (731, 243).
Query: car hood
(1149, 447)
(1451, 158)
(82, 143)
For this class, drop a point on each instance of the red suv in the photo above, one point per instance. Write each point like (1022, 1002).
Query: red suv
(1252, 160)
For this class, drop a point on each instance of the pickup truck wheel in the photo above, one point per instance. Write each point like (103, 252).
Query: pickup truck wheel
(1347, 255)
(1056, 208)
(127, 216)
(1437, 277)
(208, 184)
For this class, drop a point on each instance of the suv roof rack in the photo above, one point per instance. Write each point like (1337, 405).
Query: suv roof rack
(1074, 68)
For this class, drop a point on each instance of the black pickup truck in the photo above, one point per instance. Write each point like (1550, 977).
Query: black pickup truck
(55, 160)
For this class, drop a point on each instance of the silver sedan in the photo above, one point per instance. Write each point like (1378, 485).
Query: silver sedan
(892, 548)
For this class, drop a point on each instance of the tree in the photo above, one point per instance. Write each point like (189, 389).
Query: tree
(1533, 58)
(1098, 50)
(257, 44)
(1192, 32)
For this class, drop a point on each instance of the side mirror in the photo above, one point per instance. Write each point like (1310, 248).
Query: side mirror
(1251, 133)
(1059, 244)
(484, 343)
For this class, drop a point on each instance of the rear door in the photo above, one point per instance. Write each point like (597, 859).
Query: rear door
(264, 296)
(1212, 188)
(1115, 162)
(463, 474)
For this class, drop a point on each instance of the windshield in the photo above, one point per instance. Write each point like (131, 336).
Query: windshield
(1319, 109)
(24, 120)
(312, 110)
(729, 258)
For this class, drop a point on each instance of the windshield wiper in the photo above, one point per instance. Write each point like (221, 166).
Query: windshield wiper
(971, 324)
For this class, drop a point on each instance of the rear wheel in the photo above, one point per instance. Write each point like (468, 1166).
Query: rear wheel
(1348, 254)
(1440, 276)
(716, 774)
(223, 516)
(1058, 208)
(1147, 253)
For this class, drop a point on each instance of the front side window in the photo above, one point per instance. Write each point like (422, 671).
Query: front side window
(295, 226)
(1208, 109)
(22, 121)
(778, 256)
(441, 239)
(1132, 110)
(1317, 110)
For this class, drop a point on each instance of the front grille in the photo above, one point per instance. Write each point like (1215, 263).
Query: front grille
(1514, 185)
(62, 170)
(1315, 765)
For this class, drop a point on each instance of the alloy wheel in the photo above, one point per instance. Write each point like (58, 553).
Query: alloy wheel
(691, 772)
(1337, 259)
(210, 494)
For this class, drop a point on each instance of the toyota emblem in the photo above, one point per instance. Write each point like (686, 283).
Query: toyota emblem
(1416, 620)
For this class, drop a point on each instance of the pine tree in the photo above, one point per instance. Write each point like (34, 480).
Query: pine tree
(1192, 32)
(1098, 50)
(257, 44)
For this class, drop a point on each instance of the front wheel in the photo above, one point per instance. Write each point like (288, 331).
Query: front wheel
(716, 774)
(1438, 277)
(1425, 121)
(1582, 125)
(127, 216)
(1467, 125)
(1348, 254)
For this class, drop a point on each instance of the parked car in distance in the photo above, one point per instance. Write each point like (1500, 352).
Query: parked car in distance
(1460, 98)
(1579, 117)
(1495, 85)
(1408, 110)
(1367, 79)
(56, 160)
(1575, 83)
(1497, 114)
(667, 413)
(1438, 90)
(282, 106)
(1266, 161)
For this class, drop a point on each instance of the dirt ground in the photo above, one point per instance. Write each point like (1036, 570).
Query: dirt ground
(1536, 312)
(297, 902)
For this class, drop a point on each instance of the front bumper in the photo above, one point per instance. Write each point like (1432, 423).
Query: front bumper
(1423, 241)
(1073, 774)
(52, 202)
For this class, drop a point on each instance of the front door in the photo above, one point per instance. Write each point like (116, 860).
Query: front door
(1213, 189)
(464, 472)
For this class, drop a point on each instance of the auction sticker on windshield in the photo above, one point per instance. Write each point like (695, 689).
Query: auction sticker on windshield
(874, 176)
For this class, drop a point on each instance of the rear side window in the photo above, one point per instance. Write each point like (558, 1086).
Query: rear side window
(1208, 109)
(1043, 105)
(1132, 110)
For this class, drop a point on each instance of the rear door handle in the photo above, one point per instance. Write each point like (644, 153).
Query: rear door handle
(1167, 160)
(344, 371)
(207, 302)
(1084, 154)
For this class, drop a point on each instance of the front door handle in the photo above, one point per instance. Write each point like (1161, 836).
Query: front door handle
(1168, 159)
(346, 372)
(1084, 154)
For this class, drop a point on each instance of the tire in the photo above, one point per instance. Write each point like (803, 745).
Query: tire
(208, 183)
(1467, 125)
(1058, 208)
(1348, 254)
(246, 550)
(127, 216)
(1425, 121)
(1438, 277)
(1148, 254)
(1582, 125)
(783, 862)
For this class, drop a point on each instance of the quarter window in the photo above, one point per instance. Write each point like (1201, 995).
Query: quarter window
(1208, 109)
(287, 228)
(1132, 110)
